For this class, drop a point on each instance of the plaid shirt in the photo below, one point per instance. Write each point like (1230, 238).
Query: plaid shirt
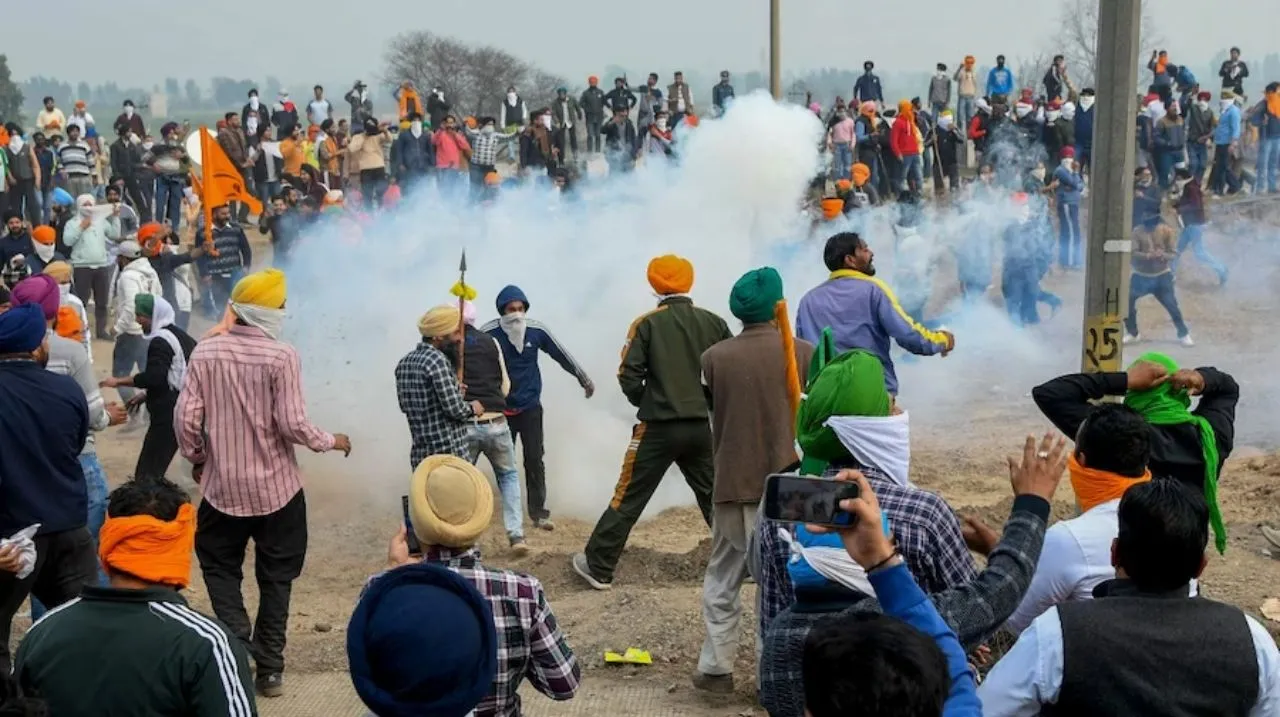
(975, 610)
(431, 399)
(530, 643)
(484, 147)
(925, 528)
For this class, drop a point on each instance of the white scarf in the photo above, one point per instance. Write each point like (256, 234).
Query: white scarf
(268, 320)
(834, 564)
(44, 251)
(513, 325)
(880, 443)
(162, 317)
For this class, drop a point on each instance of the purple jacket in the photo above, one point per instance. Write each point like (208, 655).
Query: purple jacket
(864, 314)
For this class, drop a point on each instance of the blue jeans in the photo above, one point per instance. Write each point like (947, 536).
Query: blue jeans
(95, 483)
(912, 169)
(130, 352)
(1268, 167)
(843, 161)
(1164, 160)
(1197, 160)
(1160, 287)
(1069, 254)
(964, 112)
(1193, 236)
(1020, 284)
(494, 441)
(169, 202)
(267, 190)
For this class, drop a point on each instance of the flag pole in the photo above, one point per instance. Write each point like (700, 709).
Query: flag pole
(205, 183)
(462, 322)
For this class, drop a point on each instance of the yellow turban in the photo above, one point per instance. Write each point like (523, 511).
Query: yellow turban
(264, 288)
(59, 270)
(439, 321)
(671, 274)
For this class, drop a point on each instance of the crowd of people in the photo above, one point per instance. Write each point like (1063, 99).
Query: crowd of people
(886, 617)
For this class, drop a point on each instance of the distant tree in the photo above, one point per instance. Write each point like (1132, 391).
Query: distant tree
(474, 79)
(10, 95)
(172, 89)
(1078, 22)
(229, 94)
(194, 97)
(84, 91)
(269, 90)
(1029, 72)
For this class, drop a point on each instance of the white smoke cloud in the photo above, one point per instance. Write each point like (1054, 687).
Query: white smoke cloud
(732, 204)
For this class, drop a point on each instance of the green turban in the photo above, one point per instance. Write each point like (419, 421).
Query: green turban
(851, 385)
(144, 305)
(755, 295)
(1165, 405)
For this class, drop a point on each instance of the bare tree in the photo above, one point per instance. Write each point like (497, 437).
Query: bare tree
(1029, 72)
(1079, 32)
(473, 78)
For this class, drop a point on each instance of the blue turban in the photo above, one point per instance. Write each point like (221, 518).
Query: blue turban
(22, 329)
(62, 197)
(422, 641)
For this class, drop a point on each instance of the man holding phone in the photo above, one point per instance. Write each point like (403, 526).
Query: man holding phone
(753, 435)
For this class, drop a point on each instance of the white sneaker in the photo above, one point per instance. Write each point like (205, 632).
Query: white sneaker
(1131, 339)
(1186, 341)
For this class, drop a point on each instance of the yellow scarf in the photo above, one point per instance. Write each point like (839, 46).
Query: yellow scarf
(1094, 487)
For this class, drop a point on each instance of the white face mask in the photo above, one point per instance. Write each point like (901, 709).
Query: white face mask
(511, 98)
(513, 325)
(545, 120)
(662, 123)
(253, 102)
(945, 122)
(64, 290)
(1204, 106)
(416, 128)
(1022, 110)
(487, 129)
(1067, 162)
(148, 145)
(134, 138)
(1226, 104)
(1086, 102)
(44, 251)
(128, 112)
(252, 125)
(1038, 173)
(1053, 115)
(15, 143)
(942, 74)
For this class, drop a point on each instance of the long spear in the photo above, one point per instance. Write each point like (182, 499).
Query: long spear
(462, 328)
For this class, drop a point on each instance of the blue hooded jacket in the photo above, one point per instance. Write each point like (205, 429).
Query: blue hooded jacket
(522, 365)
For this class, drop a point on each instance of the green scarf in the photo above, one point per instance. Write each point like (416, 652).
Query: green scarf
(852, 384)
(1166, 406)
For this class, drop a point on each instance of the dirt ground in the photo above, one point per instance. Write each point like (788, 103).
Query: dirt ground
(958, 450)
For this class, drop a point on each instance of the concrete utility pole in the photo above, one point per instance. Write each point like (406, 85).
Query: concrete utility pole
(1106, 298)
(775, 49)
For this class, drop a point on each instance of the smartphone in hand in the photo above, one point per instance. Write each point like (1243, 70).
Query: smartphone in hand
(415, 548)
(793, 498)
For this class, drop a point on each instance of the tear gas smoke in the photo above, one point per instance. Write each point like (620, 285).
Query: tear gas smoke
(732, 204)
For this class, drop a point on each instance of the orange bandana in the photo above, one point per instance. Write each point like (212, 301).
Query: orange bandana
(1094, 487)
(69, 325)
(150, 549)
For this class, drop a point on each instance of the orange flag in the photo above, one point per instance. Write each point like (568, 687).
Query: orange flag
(220, 183)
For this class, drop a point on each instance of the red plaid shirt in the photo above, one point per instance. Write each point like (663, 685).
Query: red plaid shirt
(530, 643)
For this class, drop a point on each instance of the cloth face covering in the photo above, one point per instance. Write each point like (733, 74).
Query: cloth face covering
(513, 325)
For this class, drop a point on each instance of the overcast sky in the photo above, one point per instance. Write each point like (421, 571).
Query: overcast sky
(129, 42)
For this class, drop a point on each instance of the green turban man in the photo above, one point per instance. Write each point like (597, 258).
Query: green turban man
(1164, 405)
(754, 298)
(852, 384)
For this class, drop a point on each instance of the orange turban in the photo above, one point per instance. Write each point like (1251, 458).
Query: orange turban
(69, 325)
(150, 549)
(470, 121)
(44, 234)
(149, 236)
(671, 274)
(80, 104)
(861, 173)
(843, 186)
(691, 120)
(906, 110)
(832, 208)
(492, 179)
(593, 80)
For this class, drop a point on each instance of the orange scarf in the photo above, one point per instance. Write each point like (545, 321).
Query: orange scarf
(409, 103)
(1273, 103)
(1094, 487)
(150, 549)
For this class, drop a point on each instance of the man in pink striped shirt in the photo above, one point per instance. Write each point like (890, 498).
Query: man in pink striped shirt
(238, 417)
